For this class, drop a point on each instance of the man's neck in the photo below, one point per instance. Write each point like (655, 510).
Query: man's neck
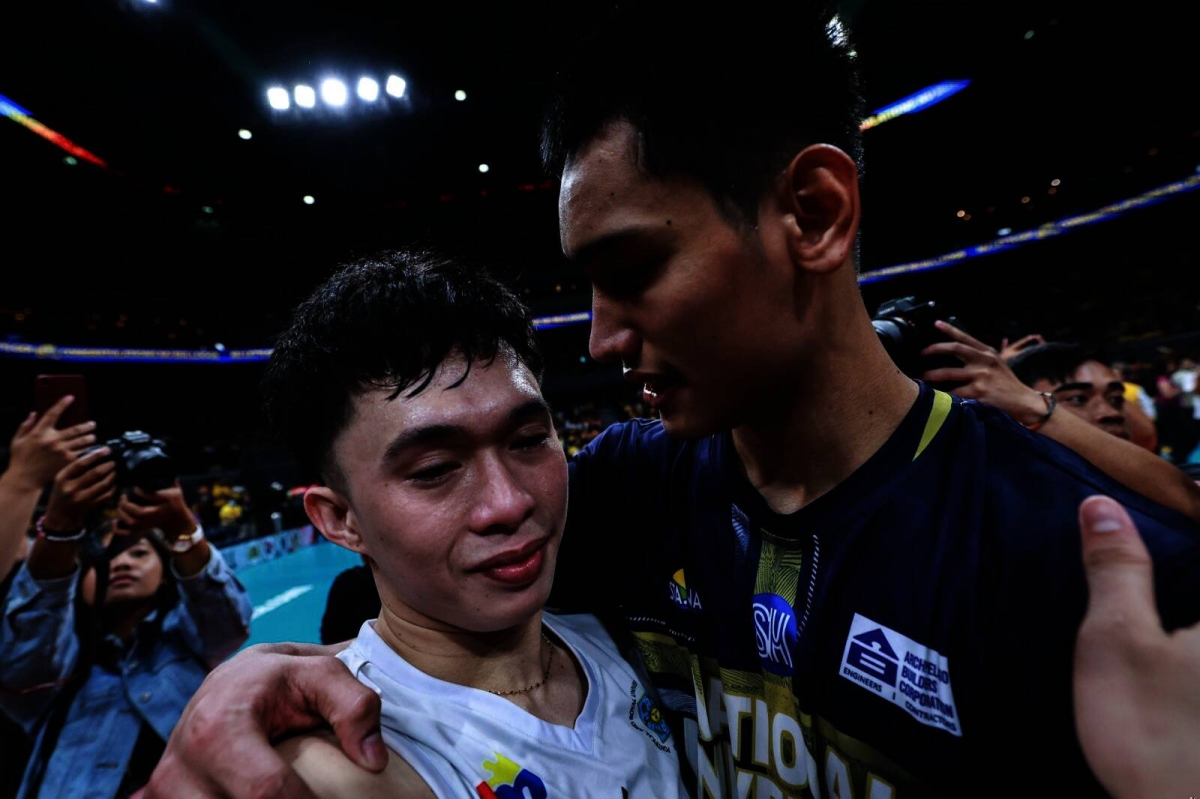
(501, 662)
(844, 405)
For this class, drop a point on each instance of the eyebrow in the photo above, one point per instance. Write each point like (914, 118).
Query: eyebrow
(440, 433)
(1074, 387)
(608, 243)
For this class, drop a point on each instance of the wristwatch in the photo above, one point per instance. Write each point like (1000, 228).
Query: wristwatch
(185, 542)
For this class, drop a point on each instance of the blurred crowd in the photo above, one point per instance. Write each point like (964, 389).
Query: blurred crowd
(1165, 389)
(231, 514)
(577, 425)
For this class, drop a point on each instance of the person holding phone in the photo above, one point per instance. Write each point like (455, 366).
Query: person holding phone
(38, 451)
(165, 611)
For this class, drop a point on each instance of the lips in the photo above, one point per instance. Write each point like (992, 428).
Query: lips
(516, 567)
(116, 582)
(515, 555)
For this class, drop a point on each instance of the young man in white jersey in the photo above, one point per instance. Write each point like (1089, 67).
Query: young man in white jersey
(411, 385)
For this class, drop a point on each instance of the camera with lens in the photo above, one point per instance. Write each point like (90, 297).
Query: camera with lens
(142, 462)
(906, 328)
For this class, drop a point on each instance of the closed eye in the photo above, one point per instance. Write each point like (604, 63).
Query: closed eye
(531, 441)
(432, 474)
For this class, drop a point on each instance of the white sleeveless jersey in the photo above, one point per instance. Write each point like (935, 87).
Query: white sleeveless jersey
(465, 742)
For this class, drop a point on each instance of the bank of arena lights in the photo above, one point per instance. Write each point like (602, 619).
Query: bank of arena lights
(334, 93)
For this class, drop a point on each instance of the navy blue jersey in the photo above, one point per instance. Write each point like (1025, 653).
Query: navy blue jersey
(909, 633)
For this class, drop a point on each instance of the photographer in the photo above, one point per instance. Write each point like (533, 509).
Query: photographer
(162, 614)
(1089, 422)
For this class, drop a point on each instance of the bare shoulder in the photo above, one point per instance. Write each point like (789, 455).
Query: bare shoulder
(318, 759)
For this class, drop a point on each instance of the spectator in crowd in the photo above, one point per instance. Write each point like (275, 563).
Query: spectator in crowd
(99, 685)
(1185, 379)
(1087, 387)
(1010, 350)
(1048, 375)
(353, 599)
(231, 512)
(38, 451)
(204, 508)
(1177, 425)
(1080, 383)
(1140, 410)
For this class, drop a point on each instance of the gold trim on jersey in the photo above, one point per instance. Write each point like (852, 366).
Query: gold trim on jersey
(937, 417)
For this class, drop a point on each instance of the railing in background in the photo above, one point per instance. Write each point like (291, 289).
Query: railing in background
(268, 548)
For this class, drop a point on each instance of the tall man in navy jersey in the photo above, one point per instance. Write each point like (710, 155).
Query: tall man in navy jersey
(842, 583)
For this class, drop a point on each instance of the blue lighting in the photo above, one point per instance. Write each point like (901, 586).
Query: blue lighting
(930, 95)
(4, 101)
(1049, 230)
(548, 322)
(50, 352)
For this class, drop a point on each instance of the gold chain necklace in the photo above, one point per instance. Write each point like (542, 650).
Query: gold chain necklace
(538, 684)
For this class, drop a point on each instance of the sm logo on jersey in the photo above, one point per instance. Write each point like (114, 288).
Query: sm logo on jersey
(680, 595)
(510, 781)
(775, 633)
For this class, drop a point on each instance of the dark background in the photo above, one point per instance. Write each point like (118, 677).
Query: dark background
(131, 256)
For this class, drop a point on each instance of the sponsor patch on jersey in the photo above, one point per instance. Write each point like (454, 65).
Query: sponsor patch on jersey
(681, 596)
(653, 723)
(908, 674)
(775, 633)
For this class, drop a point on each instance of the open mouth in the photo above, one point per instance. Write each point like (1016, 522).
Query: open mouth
(657, 388)
(658, 392)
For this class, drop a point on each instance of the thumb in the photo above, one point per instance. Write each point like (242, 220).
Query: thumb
(1119, 572)
(350, 708)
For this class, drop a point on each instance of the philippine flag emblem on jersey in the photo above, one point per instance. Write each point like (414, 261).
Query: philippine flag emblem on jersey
(510, 781)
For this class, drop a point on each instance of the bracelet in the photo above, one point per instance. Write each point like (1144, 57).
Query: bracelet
(55, 535)
(185, 543)
(1051, 404)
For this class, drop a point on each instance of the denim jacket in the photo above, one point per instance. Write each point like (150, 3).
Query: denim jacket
(156, 675)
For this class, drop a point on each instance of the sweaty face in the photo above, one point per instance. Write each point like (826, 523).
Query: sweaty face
(1095, 394)
(134, 575)
(700, 313)
(459, 495)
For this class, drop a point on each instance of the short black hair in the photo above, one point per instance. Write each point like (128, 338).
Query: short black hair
(1056, 361)
(726, 98)
(384, 322)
